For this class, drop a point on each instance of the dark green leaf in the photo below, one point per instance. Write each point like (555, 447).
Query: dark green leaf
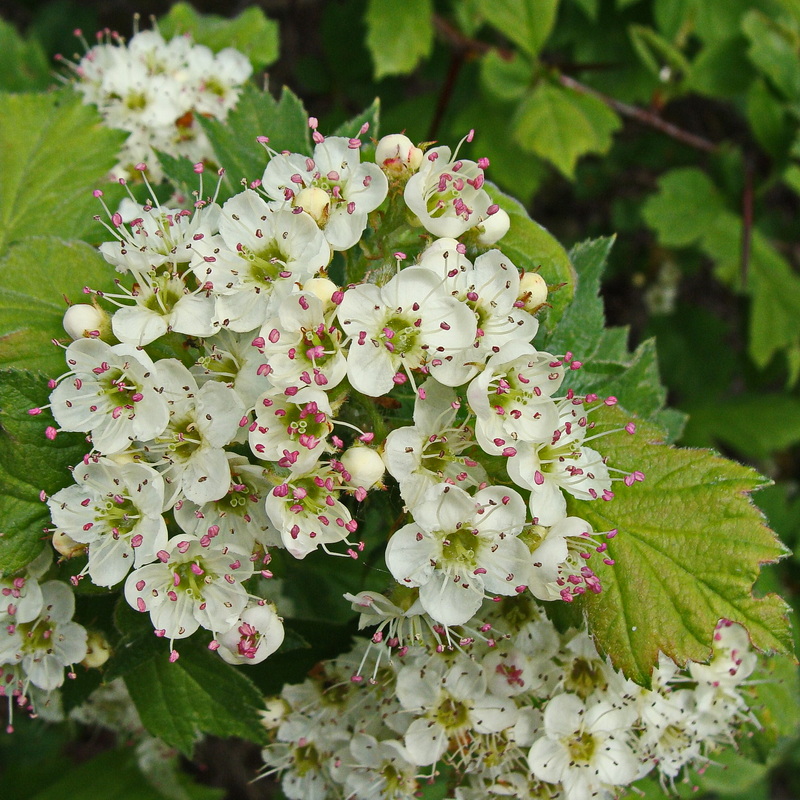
(399, 35)
(29, 463)
(370, 115)
(658, 55)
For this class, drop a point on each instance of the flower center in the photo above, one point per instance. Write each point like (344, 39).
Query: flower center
(459, 547)
(36, 636)
(452, 714)
(191, 577)
(581, 747)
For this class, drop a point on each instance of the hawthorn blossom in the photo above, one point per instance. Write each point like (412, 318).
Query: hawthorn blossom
(411, 323)
(258, 636)
(332, 186)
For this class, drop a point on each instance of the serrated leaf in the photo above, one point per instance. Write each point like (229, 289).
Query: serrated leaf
(399, 35)
(29, 464)
(527, 23)
(370, 115)
(250, 32)
(199, 693)
(561, 125)
(581, 325)
(35, 277)
(180, 172)
(23, 63)
(53, 151)
(531, 247)
(688, 550)
(257, 113)
(685, 207)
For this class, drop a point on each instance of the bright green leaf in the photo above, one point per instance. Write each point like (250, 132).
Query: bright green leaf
(686, 204)
(531, 247)
(399, 35)
(199, 693)
(250, 32)
(527, 23)
(53, 150)
(23, 63)
(35, 277)
(688, 550)
(561, 125)
(29, 464)
(774, 51)
(257, 113)
(503, 78)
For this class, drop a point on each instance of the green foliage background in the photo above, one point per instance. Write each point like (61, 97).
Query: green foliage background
(673, 123)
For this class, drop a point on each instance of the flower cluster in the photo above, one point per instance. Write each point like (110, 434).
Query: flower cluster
(156, 89)
(526, 713)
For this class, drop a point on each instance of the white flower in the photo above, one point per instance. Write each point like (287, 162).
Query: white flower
(335, 188)
(46, 644)
(410, 323)
(584, 747)
(458, 548)
(116, 510)
(257, 257)
(447, 195)
(114, 392)
(381, 769)
(191, 586)
(512, 398)
(397, 155)
(257, 634)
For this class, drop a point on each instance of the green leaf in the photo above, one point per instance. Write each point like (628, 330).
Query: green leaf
(35, 278)
(687, 203)
(561, 125)
(180, 172)
(531, 247)
(657, 54)
(250, 32)
(674, 17)
(774, 52)
(23, 63)
(199, 693)
(257, 113)
(506, 79)
(370, 115)
(732, 422)
(399, 35)
(582, 322)
(590, 7)
(53, 151)
(688, 550)
(768, 119)
(527, 23)
(29, 464)
(719, 69)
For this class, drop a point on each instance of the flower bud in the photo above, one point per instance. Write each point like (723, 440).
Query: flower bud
(66, 545)
(321, 287)
(98, 650)
(272, 716)
(83, 321)
(494, 227)
(365, 466)
(532, 291)
(315, 202)
(396, 155)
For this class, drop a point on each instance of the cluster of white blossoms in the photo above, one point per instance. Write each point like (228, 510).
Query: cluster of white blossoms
(239, 402)
(526, 713)
(155, 90)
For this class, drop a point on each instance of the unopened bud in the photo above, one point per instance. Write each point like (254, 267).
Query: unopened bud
(396, 155)
(321, 287)
(67, 546)
(532, 291)
(365, 466)
(315, 202)
(98, 650)
(494, 227)
(272, 716)
(83, 321)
